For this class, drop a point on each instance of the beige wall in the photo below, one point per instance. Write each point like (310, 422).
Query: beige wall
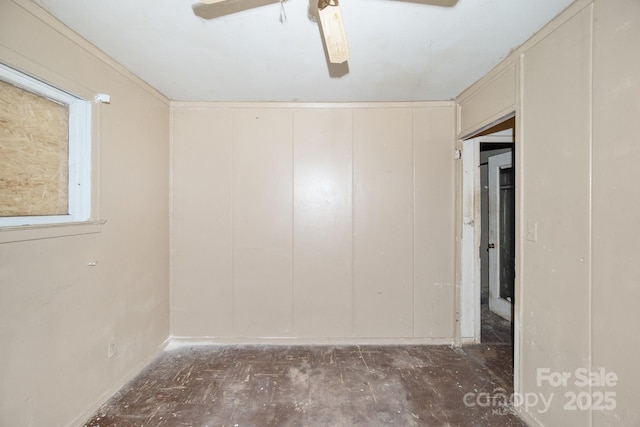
(57, 313)
(577, 268)
(616, 203)
(555, 188)
(313, 223)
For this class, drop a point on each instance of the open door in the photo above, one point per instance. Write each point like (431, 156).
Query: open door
(501, 234)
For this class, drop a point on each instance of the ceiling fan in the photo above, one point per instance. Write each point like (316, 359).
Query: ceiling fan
(329, 15)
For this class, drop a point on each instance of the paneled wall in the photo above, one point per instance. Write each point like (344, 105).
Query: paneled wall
(555, 160)
(577, 265)
(383, 223)
(615, 272)
(323, 245)
(313, 223)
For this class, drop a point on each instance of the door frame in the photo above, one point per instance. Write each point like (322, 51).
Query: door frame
(471, 227)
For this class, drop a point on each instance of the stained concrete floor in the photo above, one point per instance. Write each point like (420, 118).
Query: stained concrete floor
(494, 329)
(317, 386)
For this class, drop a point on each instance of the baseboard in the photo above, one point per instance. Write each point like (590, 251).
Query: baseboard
(77, 422)
(469, 341)
(183, 341)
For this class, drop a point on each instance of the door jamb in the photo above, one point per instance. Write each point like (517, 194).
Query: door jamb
(470, 324)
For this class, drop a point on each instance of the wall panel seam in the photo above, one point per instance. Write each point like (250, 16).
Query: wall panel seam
(413, 220)
(353, 224)
(590, 241)
(293, 222)
(231, 222)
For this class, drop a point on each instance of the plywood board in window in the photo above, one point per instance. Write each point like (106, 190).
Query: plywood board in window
(34, 153)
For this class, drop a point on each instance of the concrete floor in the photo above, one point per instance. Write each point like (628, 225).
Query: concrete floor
(494, 329)
(318, 386)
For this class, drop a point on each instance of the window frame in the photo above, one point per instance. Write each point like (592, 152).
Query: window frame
(79, 151)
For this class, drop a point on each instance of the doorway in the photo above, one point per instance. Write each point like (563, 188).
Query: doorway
(474, 235)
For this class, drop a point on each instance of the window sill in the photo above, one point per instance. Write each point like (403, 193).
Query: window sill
(48, 231)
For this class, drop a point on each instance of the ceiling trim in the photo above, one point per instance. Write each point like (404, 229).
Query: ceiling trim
(310, 105)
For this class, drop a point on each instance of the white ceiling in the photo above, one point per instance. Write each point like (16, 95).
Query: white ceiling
(401, 50)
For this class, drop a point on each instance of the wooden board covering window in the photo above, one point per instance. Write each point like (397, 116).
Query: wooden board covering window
(34, 154)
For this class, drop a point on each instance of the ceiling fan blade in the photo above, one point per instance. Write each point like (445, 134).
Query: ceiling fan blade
(441, 3)
(210, 9)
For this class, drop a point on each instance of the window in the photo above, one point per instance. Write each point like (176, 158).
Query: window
(45, 153)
